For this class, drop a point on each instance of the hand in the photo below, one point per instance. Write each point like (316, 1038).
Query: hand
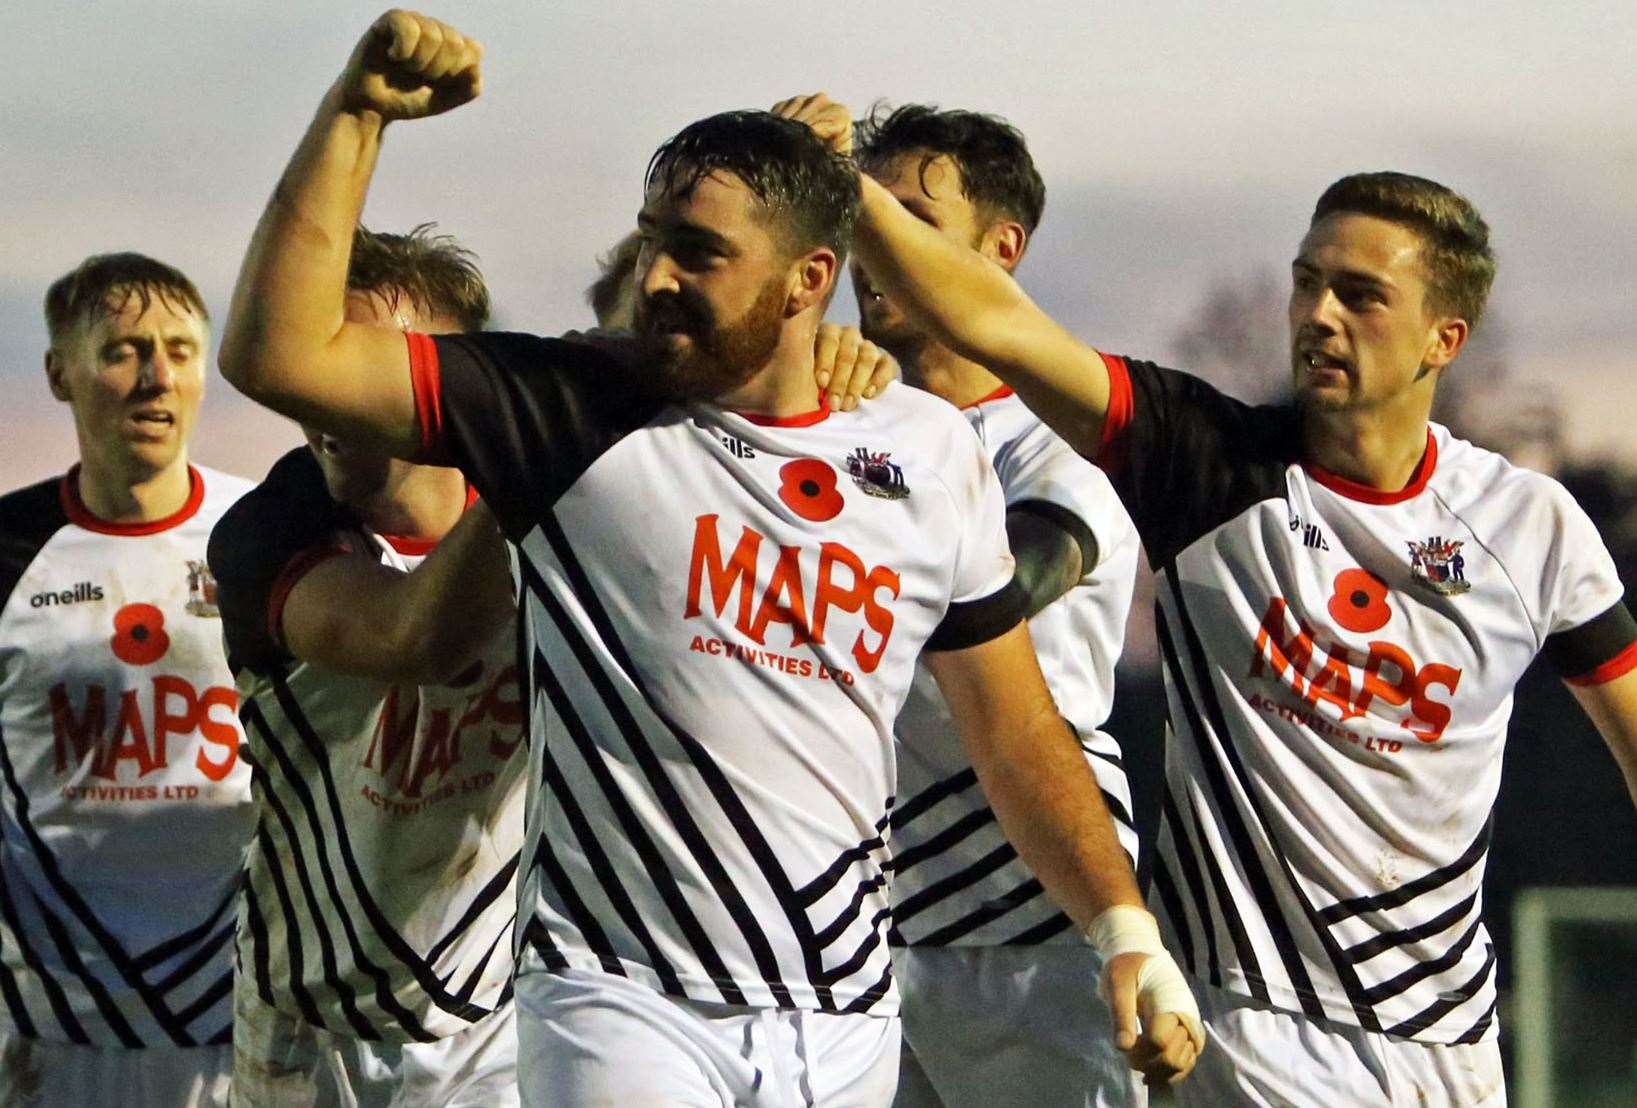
(1152, 988)
(848, 366)
(830, 121)
(408, 66)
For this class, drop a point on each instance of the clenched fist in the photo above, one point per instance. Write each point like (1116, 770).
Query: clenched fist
(830, 121)
(408, 66)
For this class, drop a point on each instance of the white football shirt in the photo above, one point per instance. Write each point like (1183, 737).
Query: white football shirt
(722, 615)
(1340, 664)
(382, 882)
(956, 880)
(124, 805)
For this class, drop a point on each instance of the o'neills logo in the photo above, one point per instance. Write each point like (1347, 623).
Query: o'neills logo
(80, 593)
(784, 590)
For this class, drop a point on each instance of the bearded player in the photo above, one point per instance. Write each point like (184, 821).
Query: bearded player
(1348, 595)
(998, 986)
(124, 807)
(711, 732)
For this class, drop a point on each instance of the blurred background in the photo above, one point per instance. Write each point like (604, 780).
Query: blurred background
(1182, 145)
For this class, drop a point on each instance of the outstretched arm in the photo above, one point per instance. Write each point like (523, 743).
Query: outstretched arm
(967, 302)
(1612, 707)
(286, 343)
(354, 615)
(1036, 779)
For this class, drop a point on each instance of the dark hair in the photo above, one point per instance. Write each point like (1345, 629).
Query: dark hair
(438, 275)
(997, 173)
(811, 190)
(616, 270)
(103, 284)
(1460, 267)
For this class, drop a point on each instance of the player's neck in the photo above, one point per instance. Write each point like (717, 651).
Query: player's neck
(1379, 448)
(424, 504)
(942, 372)
(785, 386)
(115, 496)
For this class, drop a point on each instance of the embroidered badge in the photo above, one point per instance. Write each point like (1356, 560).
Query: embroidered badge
(1439, 565)
(876, 475)
(201, 590)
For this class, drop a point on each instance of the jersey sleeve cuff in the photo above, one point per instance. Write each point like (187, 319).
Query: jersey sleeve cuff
(294, 570)
(1066, 521)
(425, 380)
(971, 622)
(1598, 651)
(1120, 406)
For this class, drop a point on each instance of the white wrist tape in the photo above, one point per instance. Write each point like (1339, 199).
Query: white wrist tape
(1125, 929)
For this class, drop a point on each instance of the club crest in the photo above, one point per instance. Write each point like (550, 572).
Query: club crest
(201, 590)
(1439, 565)
(876, 475)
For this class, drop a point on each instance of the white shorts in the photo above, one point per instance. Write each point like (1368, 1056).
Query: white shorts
(280, 1061)
(595, 1040)
(39, 1074)
(1265, 1056)
(988, 1025)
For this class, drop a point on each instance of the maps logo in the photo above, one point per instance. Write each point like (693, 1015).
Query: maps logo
(876, 475)
(1439, 566)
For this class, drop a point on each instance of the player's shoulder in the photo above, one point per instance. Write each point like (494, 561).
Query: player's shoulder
(916, 416)
(1471, 478)
(221, 490)
(33, 508)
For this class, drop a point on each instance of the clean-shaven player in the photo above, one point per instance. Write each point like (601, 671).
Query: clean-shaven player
(999, 989)
(1348, 595)
(124, 807)
(723, 591)
(368, 623)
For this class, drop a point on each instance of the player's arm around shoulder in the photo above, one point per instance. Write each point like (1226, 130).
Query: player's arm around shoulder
(966, 301)
(356, 616)
(1036, 779)
(287, 343)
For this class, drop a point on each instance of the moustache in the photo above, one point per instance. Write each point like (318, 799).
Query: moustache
(668, 311)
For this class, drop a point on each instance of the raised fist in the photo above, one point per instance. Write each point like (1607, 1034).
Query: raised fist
(830, 121)
(408, 66)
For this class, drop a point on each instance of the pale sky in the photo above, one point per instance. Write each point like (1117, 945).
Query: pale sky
(1180, 143)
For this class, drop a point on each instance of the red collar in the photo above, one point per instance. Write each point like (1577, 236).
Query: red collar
(1364, 493)
(999, 394)
(81, 516)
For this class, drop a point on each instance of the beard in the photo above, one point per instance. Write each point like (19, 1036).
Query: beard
(718, 357)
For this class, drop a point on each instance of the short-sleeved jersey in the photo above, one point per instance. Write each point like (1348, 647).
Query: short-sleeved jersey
(722, 615)
(381, 885)
(124, 806)
(1340, 664)
(956, 880)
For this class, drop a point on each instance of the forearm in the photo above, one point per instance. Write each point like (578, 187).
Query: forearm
(456, 601)
(970, 304)
(289, 301)
(1047, 801)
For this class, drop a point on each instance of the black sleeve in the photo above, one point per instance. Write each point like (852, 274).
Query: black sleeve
(1599, 650)
(522, 416)
(257, 546)
(28, 519)
(968, 623)
(1184, 457)
(1053, 549)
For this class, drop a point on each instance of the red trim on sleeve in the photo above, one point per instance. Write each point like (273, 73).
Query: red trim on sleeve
(294, 570)
(424, 379)
(1352, 490)
(413, 547)
(1120, 403)
(999, 394)
(1617, 666)
(81, 516)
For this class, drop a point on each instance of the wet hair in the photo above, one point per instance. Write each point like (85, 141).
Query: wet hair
(615, 279)
(808, 189)
(434, 272)
(103, 284)
(1460, 267)
(997, 173)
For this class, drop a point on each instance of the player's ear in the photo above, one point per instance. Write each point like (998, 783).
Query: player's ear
(812, 280)
(54, 375)
(1004, 241)
(1444, 341)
